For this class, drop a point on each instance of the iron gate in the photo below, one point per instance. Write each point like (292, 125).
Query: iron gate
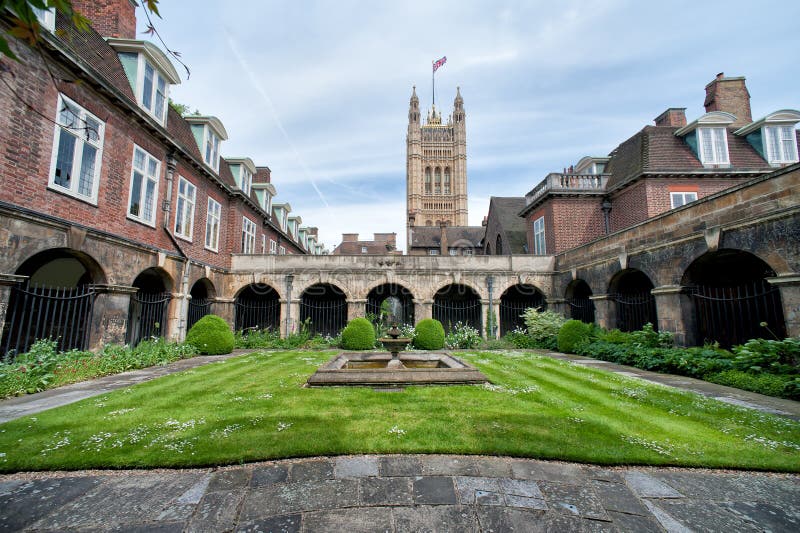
(634, 310)
(257, 314)
(511, 313)
(324, 317)
(38, 312)
(198, 308)
(581, 309)
(450, 312)
(732, 315)
(147, 316)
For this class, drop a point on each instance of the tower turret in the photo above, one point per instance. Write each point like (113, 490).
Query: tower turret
(413, 107)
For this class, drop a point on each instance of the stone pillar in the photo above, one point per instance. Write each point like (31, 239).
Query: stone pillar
(496, 309)
(175, 328)
(356, 308)
(789, 285)
(423, 309)
(7, 282)
(605, 311)
(110, 315)
(485, 319)
(558, 305)
(293, 323)
(225, 308)
(675, 313)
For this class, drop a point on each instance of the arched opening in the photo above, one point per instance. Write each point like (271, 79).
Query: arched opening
(148, 310)
(488, 248)
(581, 307)
(427, 180)
(257, 306)
(324, 308)
(635, 305)
(437, 186)
(498, 245)
(55, 302)
(457, 303)
(731, 298)
(447, 180)
(202, 292)
(514, 302)
(393, 299)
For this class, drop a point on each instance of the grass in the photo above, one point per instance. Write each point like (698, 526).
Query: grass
(253, 408)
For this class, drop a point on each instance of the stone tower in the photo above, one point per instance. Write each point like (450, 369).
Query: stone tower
(436, 167)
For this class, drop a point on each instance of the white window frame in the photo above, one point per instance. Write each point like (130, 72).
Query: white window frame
(716, 150)
(453, 251)
(248, 236)
(787, 144)
(539, 239)
(46, 17)
(211, 144)
(246, 179)
(433, 251)
(83, 137)
(282, 250)
(263, 244)
(157, 75)
(468, 251)
(363, 249)
(184, 209)
(213, 217)
(273, 247)
(681, 198)
(146, 177)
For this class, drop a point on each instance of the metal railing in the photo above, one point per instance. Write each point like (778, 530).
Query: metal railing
(634, 310)
(324, 317)
(147, 317)
(581, 309)
(568, 183)
(198, 308)
(257, 313)
(511, 312)
(450, 312)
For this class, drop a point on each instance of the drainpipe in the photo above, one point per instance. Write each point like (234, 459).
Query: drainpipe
(184, 285)
(606, 207)
(490, 321)
(289, 280)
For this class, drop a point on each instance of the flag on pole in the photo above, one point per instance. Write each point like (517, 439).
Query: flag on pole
(439, 63)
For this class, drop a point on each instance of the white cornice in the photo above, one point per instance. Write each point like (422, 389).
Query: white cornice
(786, 117)
(212, 122)
(152, 52)
(714, 118)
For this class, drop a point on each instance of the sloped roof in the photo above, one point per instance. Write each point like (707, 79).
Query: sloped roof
(181, 132)
(506, 211)
(431, 236)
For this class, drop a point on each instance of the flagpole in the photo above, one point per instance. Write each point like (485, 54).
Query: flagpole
(433, 82)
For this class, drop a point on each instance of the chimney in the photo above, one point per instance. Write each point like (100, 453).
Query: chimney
(109, 18)
(443, 238)
(730, 95)
(674, 117)
(313, 231)
(349, 237)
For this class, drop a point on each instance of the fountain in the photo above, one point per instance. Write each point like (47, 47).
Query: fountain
(395, 344)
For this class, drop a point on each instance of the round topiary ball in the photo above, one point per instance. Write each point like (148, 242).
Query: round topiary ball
(429, 335)
(211, 335)
(571, 334)
(358, 335)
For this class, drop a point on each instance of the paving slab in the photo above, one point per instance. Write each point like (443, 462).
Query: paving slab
(361, 520)
(275, 524)
(386, 491)
(434, 491)
(355, 467)
(435, 519)
(398, 465)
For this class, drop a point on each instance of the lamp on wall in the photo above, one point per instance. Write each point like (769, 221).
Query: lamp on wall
(606, 207)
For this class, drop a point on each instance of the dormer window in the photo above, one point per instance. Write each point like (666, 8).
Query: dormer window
(243, 170)
(208, 133)
(211, 156)
(781, 144)
(774, 136)
(713, 146)
(247, 181)
(154, 92)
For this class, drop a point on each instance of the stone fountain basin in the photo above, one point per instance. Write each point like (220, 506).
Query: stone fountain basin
(369, 370)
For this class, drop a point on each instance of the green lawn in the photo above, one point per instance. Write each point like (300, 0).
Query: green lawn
(253, 408)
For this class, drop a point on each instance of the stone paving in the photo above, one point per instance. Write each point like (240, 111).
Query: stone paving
(399, 493)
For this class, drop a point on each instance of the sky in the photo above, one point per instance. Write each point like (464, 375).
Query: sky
(319, 91)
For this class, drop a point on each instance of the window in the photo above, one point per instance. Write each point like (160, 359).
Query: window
(427, 180)
(212, 224)
(248, 236)
(468, 251)
(77, 151)
(154, 91)
(263, 243)
(539, 247)
(713, 146)
(453, 251)
(282, 250)
(144, 187)
(47, 17)
(447, 180)
(437, 185)
(184, 209)
(363, 249)
(247, 180)
(211, 156)
(433, 251)
(678, 199)
(273, 247)
(781, 144)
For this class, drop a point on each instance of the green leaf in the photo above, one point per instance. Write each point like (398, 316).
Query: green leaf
(6, 51)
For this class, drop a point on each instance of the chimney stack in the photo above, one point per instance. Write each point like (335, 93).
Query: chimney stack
(349, 237)
(729, 95)
(443, 245)
(673, 117)
(109, 18)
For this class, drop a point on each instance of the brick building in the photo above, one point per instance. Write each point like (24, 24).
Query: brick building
(113, 201)
(505, 230)
(381, 244)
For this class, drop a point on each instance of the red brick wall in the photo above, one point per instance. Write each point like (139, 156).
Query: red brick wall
(546, 211)
(575, 221)
(629, 206)
(109, 18)
(658, 199)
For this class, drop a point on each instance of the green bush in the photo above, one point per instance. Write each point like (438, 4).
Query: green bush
(520, 339)
(543, 327)
(572, 333)
(463, 336)
(211, 335)
(429, 335)
(648, 337)
(775, 357)
(358, 335)
(770, 384)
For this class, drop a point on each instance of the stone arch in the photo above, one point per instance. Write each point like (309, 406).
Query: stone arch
(147, 316)
(731, 298)
(257, 306)
(498, 247)
(201, 294)
(635, 306)
(457, 302)
(488, 248)
(323, 306)
(579, 304)
(514, 301)
(380, 292)
(55, 301)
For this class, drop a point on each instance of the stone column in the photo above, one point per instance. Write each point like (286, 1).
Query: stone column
(423, 309)
(558, 305)
(356, 308)
(175, 330)
(789, 285)
(675, 313)
(293, 324)
(605, 312)
(496, 308)
(485, 319)
(7, 282)
(110, 315)
(225, 308)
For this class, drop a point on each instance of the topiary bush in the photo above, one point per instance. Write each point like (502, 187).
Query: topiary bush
(358, 335)
(211, 335)
(572, 333)
(429, 335)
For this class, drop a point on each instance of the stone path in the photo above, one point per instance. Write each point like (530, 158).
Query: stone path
(402, 493)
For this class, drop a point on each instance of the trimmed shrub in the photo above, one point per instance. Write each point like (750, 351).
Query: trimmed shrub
(769, 384)
(429, 335)
(211, 335)
(358, 335)
(543, 327)
(572, 333)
